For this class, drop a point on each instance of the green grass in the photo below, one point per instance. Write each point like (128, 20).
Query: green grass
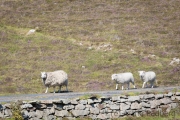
(148, 27)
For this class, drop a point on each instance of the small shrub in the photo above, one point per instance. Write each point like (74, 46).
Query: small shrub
(16, 111)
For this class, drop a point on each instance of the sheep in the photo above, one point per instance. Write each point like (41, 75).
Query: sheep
(147, 77)
(32, 31)
(123, 78)
(56, 78)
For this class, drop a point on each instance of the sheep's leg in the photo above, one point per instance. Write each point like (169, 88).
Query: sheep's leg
(46, 90)
(54, 89)
(116, 86)
(66, 88)
(143, 84)
(133, 84)
(59, 89)
(128, 86)
(152, 84)
(122, 87)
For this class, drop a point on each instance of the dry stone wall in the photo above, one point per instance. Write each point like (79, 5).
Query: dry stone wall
(95, 108)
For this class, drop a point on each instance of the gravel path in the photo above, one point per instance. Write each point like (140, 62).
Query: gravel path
(69, 95)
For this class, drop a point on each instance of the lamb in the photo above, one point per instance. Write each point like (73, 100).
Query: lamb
(147, 77)
(123, 78)
(56, 78)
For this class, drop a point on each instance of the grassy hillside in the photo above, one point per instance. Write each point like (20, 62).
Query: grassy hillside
(89, 39)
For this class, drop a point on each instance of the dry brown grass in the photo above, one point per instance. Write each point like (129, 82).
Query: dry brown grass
(96, 34)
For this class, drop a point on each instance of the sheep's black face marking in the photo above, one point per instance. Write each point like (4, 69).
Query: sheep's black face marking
(142, 74)
(142, 77)
(44, 76)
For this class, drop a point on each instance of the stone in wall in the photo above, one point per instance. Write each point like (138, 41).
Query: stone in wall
(7, 112)
(174, 105)
(136, 106)
(102, 116)
(66, 101)
(169, 94)
(146, 104)
(94, 111)
(62, 113)
(124, 106)
(68, 107)
(155, 103)
(115, 98)
(90, 101)
(166, 101)
(83, 102)
(148, 96)
(177, 93)
(177, 97)
(114, 107)
(100, 106)
(159, 96)
(133, 98)
(39, 113)
(77, 113)
(26, 106)
(123, 100)
(74, 102)
(80, 107)
(130, 112)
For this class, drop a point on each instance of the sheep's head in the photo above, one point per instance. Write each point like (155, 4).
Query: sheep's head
(141, 74)
(43, 75)
(114, 76)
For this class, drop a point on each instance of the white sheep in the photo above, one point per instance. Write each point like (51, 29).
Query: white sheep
(56, 78)
(32, 31)
(147, 77)
(123, 78)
